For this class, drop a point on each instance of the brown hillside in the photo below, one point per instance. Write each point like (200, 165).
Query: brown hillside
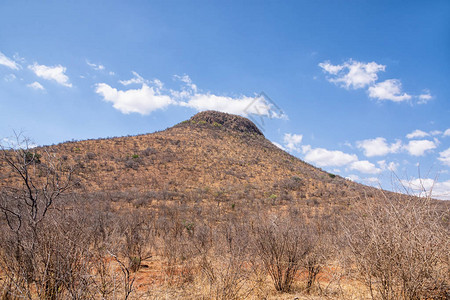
(206, 209)
(209, 156)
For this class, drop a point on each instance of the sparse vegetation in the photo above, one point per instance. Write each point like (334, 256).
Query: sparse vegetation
(208, 214)
(401, 248)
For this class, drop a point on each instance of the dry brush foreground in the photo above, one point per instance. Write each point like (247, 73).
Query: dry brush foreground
(298, 233)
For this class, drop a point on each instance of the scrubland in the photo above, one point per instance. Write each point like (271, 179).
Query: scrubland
(209, 225)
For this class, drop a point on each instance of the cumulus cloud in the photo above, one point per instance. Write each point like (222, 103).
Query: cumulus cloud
(429, 187)
(97, 67)
(153, 96)
(357, 75)
(444, 156)
(8, 62)
(417, 134)
(55, 73)
(378, 147)
(258, 105)
(330, 158)
(36, 86)
(419, 147)
(142, 101)
(390, 89)
(327, 158)
(292, 141)
(353, 74)
(365, 167)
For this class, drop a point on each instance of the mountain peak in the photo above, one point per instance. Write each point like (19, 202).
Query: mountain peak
(229, 121)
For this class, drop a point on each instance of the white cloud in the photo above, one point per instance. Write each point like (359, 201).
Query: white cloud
(356, 75)
(190, 96)
(444, 156)
(142, 101)
(365, 167)
(325, 158)
(447, 132)
(147, 99)
(7, 62)
(417, 134)
(292, 141)
(97, 67)
(378, 147)
(306, 149)
(55, 73)
(137, 79)
(429, 187)
(388, 90)
(36, 86)
(425, 97)
(392, 166)
(419, 147)
(331, 69)
(187, 90)
(353, 74)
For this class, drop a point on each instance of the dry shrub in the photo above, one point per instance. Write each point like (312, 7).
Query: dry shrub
(320, 230)
(400, 248)
(282, 243)
(224, 265)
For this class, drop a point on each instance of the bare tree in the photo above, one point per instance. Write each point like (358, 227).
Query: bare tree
(41, 177)
(36, 178)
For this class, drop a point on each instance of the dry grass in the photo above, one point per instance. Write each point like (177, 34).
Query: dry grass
(188, 213)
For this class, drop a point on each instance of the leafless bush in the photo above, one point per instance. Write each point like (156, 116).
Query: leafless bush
(174, 233)
(129, 246)
(282, 244)
(225, 264)
(401, 248)
(319, 230)
(40, 255)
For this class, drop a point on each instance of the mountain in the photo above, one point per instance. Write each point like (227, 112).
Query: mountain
(206, 209)
(211, 156)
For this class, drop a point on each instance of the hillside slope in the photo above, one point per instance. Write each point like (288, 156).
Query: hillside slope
(213, 155)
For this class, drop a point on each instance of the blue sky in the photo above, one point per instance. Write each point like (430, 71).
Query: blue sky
(363, 85)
